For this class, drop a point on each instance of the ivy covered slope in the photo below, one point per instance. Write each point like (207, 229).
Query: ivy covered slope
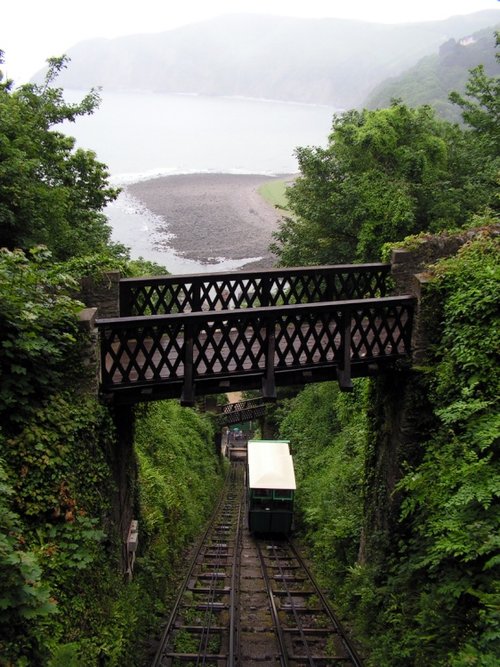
(63, 598)
(427, 591)
(443, 581)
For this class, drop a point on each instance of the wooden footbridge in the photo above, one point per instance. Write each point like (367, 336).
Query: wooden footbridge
(181, 336)
(241, 411)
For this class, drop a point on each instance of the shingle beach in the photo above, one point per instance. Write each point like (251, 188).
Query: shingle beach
(212, 215)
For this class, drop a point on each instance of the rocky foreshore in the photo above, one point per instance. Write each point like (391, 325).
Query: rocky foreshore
(212, 215)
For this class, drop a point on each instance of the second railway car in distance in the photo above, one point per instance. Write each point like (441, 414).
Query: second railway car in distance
(271, 486)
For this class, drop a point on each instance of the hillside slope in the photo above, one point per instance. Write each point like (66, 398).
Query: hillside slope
(327, 61)
(434, 77)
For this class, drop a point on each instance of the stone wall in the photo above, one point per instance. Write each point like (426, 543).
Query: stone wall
(417, 256)
(400, 419)
(102, 300)
(90, 351)
(411, 271)
(103, 294)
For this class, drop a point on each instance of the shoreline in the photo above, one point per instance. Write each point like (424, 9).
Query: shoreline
(207, 216)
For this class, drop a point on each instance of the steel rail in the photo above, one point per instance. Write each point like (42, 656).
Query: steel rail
(283, 657)
(298, 622)
(351, 651)
(234, 596)
(200, 544)
(308, 658)
(211, 598)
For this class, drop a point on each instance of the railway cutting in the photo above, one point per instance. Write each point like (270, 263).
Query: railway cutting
(250, 600)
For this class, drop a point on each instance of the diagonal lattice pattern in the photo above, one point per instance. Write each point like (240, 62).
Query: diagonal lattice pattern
(222, 348)
(307, 339)
(378, 332)
(148, 353)
(188, 348)
(238, 406)
(244, 415)
(233, 291)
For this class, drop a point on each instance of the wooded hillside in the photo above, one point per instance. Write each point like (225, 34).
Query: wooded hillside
(434, 77)
(323, 61)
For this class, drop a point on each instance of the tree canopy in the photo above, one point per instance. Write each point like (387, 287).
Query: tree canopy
(390, 173)
(50, 192)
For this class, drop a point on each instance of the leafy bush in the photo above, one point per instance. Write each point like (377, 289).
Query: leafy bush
(23, 593)
(50, 193)
(385, 174)
(451, 563)
(54, 552)
(327, 431)
(39, 331)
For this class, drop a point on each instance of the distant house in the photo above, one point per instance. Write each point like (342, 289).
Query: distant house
(467, 41)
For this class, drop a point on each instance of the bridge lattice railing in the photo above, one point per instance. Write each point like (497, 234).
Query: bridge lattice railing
(241, 411)
(141, 353)
(249, 414)
(250, 289)
(238, 406)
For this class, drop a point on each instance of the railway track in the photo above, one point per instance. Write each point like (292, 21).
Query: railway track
(249, 602)
(307, 630)
(202, 629)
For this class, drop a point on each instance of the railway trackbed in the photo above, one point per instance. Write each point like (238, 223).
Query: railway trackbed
(307, 630)
(201, 628)
(250, 602)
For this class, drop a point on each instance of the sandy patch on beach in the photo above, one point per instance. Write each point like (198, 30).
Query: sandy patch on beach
(212, 215)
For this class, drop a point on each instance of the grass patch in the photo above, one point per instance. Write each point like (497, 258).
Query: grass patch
(274, 192)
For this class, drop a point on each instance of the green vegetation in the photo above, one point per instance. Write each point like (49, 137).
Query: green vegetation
(444, 580)
(63, 597)
(434, 77)
(328, 430)
(385, 174)
(414, 570)
(399, 483)
(178, 476)
(274, 192)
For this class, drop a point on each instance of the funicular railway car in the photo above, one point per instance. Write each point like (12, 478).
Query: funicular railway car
(237, 441)
(271, 486)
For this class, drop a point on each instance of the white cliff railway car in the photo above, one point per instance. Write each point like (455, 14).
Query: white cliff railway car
(271, 486)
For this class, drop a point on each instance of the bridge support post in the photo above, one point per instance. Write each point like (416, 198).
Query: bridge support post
(187, 396)
(124, 467)
(218, 443)
(344, 368)
(104, 294)
(268, 381)
(90, 353)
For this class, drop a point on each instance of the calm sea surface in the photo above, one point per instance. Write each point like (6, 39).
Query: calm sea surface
(141, 135)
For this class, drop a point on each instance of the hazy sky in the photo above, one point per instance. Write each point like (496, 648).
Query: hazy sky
(33, 30)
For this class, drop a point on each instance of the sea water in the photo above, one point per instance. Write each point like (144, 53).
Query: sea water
(144, 135)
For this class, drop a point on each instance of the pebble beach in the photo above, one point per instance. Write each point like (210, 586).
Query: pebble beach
(212, 215)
